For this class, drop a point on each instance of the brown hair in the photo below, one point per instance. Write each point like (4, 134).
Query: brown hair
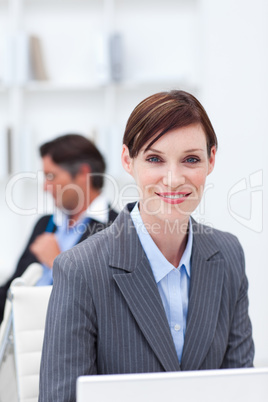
(70, 151)
(162, 112)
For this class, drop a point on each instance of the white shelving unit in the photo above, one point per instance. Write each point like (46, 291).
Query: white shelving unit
(159, 42)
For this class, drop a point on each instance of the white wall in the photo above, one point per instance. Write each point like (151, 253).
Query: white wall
(235, 93)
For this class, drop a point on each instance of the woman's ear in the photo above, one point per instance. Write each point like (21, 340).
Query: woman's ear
(211, 160)
(126, 159)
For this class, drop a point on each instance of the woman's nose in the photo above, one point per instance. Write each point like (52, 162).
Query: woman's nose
(173, 178)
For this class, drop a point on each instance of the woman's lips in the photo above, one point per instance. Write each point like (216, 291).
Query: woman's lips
(174, 198)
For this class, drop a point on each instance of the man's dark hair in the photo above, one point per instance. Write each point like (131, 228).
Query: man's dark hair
(70, 151)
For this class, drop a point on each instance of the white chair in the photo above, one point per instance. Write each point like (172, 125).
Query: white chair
(21, 338)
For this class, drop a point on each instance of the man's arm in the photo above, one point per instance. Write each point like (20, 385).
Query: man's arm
(45, 248)
(70, 339)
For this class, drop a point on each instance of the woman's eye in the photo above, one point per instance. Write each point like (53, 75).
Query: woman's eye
(153, 159)
(192, 159)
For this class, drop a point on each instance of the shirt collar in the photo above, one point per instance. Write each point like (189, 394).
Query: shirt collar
(97, 210)
(159, 264)
(61, 220)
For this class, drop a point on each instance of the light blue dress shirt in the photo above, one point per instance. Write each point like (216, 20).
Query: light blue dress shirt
(173, 283)
(66, 237)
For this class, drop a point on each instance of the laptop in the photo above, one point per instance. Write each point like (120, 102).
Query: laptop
(232, 385)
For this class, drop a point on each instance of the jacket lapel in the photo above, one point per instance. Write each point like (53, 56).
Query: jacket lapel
(207, 274)
(138, 286)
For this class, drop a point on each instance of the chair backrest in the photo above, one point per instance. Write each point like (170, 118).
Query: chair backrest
(29, 278)
(29, 307)
(21, 338)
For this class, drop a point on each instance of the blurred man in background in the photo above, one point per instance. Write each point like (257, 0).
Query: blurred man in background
(74, 170)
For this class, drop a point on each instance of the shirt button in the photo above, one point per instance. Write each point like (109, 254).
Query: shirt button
(177, 327)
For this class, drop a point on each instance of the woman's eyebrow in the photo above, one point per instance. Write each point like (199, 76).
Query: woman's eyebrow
(194, 150)
(186, 151)
(152, 150)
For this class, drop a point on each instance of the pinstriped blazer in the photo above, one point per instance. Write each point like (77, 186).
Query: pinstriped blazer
(106, 316)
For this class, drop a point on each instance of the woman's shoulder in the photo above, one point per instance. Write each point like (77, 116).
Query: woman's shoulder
(88, 260)
(89, 248)
(211, 231)
(224, 242)
(219, 246)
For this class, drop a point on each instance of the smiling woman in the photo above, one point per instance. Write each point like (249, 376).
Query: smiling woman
(169, 149)
(173, 172)
(156, 291)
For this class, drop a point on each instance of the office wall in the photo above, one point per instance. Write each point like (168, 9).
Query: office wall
(235, 92)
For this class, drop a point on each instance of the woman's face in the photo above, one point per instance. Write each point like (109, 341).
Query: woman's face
(171, 174)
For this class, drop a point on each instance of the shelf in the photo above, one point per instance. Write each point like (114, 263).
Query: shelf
(123, 85)
(62, 6)
(58, 2)
(60, 87)
(160, 84)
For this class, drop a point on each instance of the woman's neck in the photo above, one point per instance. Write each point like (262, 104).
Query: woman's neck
(170, 236)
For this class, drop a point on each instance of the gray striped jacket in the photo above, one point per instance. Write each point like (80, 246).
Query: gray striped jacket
(105, 314)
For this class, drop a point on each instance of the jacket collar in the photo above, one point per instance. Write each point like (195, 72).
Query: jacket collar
(204, 240)
(138, 286)
(126, 251)
(207, 276)
(124, 233)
